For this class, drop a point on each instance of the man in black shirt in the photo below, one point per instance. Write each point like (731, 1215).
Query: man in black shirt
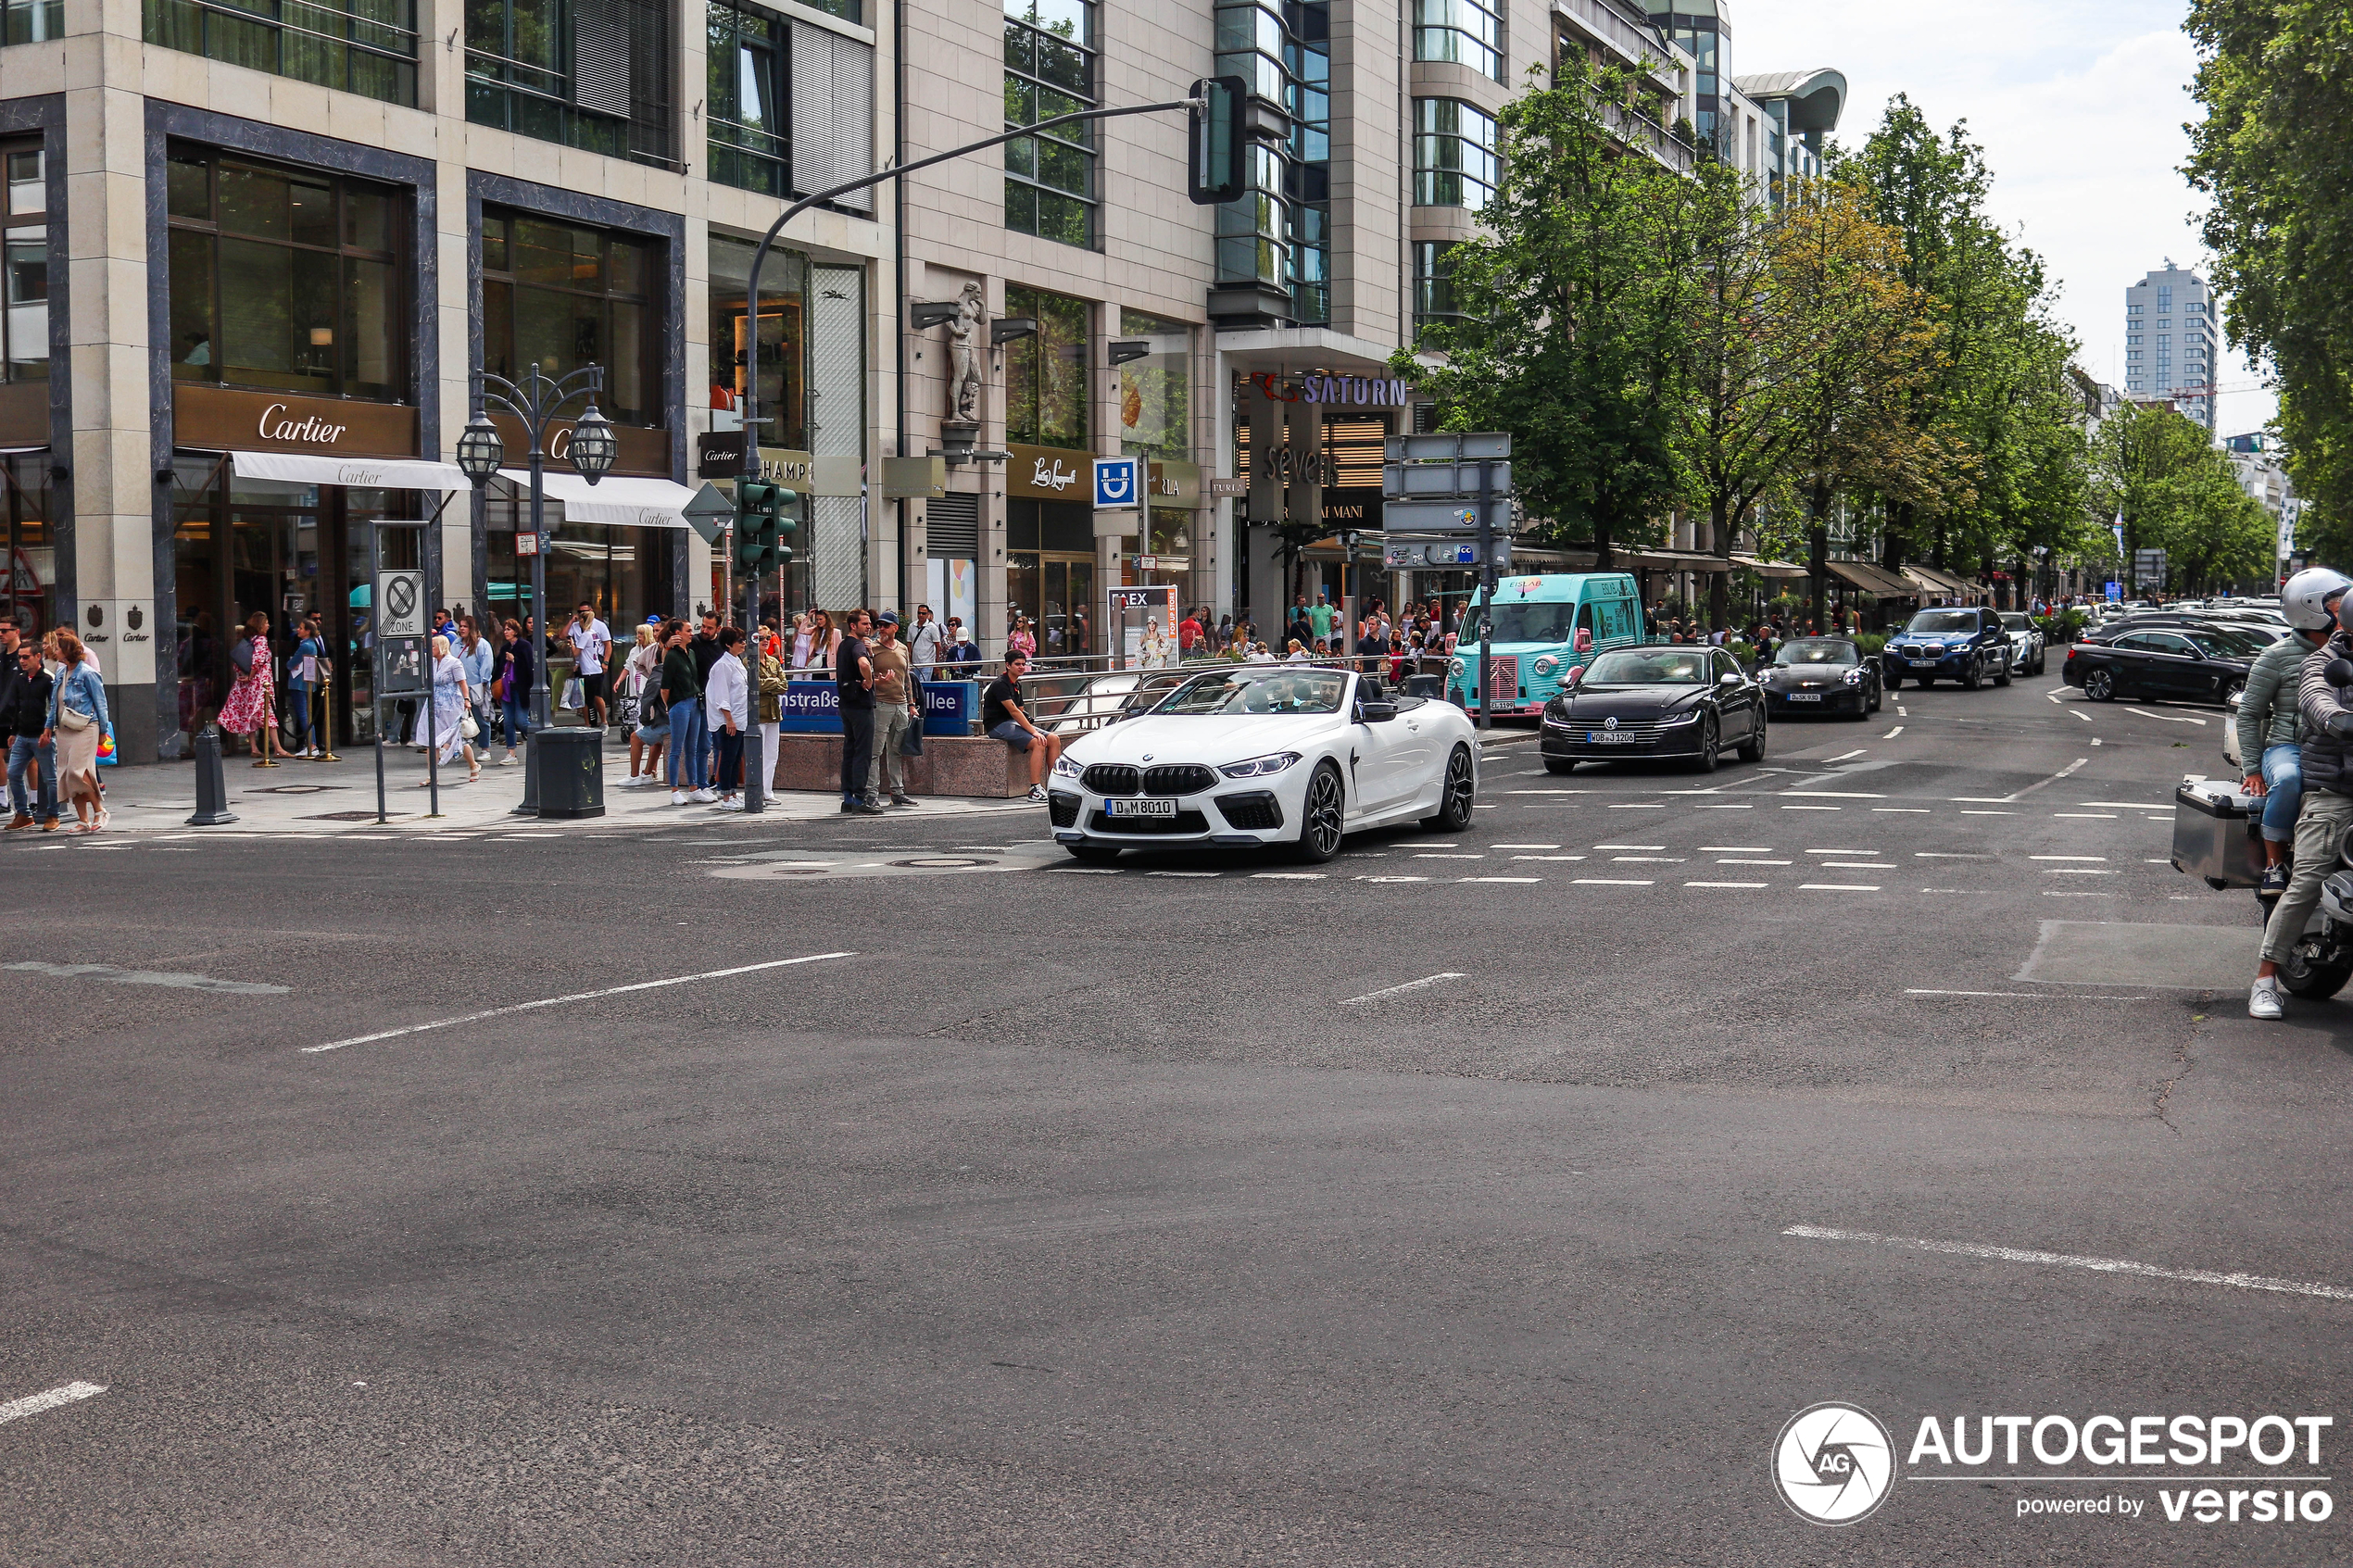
(854, 688)
(24, 709)
(705, 647)
(1001, 716)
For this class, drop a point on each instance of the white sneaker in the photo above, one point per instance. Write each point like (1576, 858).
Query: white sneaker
(733, 803)
(704, 796)
(677, 798)
(2264, 1000)
(634, 781)
(1037, 792)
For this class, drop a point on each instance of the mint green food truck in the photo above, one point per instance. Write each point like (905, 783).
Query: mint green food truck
(1541, 628)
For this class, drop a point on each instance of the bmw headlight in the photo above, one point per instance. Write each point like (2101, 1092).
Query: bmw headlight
(1546, 664)
(1066, 769)
(1455, 667)
(1257, 767)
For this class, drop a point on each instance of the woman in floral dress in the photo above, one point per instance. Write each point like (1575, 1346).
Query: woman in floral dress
(249, 711)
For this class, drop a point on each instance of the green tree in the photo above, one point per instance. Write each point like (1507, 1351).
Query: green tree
(2276, 81)
(2138, 454)
(2215, 533)
(1576, 305)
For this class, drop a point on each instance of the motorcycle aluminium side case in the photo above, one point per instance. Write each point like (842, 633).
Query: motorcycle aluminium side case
(2336, 899)
(2218, 832)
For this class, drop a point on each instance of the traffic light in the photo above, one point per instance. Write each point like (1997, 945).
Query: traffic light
(1218, 162)
(762, 525)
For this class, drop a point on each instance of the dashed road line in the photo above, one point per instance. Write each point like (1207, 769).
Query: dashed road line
(151, 977)
(1725, 884)
(1892, 733)
(1611, 882)
(2073, 1260)
(1399, 990)
(2170, 718)
(33, 1404)
(1837, 887)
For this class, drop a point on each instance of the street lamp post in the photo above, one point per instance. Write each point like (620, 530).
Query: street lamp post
(536, 400)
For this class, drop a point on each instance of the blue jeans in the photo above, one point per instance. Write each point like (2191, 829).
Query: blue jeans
(23, 752)
(690, 746)
(517, 720)
(2283, 771)
(299, 698)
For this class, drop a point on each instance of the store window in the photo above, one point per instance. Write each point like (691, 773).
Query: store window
(784, 341)
(751, 143)
(623, 571)
(587, 73)
(1465, 31)
(24, 262)
(364, 46)
(287, 279)
(1455, 161)
(1155, 403)
(1046, 373)
(31, 21)
(1049, 574)
(561, 296)
(1050, 70)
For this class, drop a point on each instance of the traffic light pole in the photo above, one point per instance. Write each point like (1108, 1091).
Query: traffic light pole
(1486, 587)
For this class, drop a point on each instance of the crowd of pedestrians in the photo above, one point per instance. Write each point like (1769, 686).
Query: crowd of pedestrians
(54, 698)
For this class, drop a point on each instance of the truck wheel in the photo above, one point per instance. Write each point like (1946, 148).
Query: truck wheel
(2302, 976)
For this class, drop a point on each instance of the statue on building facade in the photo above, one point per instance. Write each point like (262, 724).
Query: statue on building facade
(963, 355)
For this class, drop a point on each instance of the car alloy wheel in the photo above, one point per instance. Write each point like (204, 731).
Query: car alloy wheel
(1455, 795)
(1753, 748)
(1705, 761)
(1320, 821)
(2229, 689)
(2099, 685)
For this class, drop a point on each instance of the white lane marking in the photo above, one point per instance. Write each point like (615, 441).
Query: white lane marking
(1736, 849)
(2034, 996)
(1841, 851)
(1724, 885)
(152, 978)
(33, 1404)
(1831, 795)
(1287, 876)
(1499, 879)
(1657, 806)
(1844, 755)
(1947, 855)
(1665, 860)
(1902, 711)
(2088, 816)
(2169, 717)
(2130, 804)
(2102, 858)
(2076, 870)
(1548, 857)
(1836, 887)
(1903, 810)
(1182, 873)
(1609, 881)
(1813, 808)
(1392, 879)
(1398, 990)
(1551, 792)
(1084, 871)
(1711, 807)
(1444, 855)
(2071, 1260)
(1892, 733)
(2085, 717)
(1967, 812)
(2048, 894)
(1629, 845)
(2095, 740)
(2053, 696)
(2160, 860)
(1856, 866)
(2046, 784)
(1484, 807)
(1752, 862)
(575, 996)
(1523, 847)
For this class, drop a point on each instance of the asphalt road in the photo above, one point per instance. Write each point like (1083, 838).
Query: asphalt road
(1116, 1216)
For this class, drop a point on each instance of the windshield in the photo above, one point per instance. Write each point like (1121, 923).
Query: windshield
(1648, 667)
(1819, 650)
(1532, 623)
(1259, 691)
(1943, 620)
(2017, 621)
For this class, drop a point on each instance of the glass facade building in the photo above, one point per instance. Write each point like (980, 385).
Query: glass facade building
(1050, 70)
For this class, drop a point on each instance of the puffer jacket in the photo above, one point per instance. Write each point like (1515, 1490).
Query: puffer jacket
(2267, 713)
(2327, 761)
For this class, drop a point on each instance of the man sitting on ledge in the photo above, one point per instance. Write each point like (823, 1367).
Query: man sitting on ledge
(1001, 716)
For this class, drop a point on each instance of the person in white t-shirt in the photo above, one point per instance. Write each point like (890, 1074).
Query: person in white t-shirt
(924, 643)
(591, 645)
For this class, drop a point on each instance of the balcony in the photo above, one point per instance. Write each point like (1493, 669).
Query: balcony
(1647, 135)
(1634, 43)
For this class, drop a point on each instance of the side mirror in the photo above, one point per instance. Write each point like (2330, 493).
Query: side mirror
(1378, 712)
(1728, 678)
(1575, 673)
(2338, 672)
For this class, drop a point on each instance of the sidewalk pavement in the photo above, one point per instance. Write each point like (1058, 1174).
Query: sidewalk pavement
(335, 800)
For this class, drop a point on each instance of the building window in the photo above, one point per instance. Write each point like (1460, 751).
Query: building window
(1465, 32)
(748, 132)
(1046, 373)
(587, 73)
(1050, 70)
(561, 296)
(31, 21)
(364, 46)
(287, 279)
(1155, 405)
(24, 263)
(1454, 163)
(1434, 297)
(784, 341)
(1278, 233)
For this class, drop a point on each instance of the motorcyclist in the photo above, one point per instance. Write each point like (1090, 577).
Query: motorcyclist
(2267, 725)
(2325, 760)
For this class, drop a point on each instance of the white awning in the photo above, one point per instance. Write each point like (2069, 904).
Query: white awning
(380, 474)
(628, 502)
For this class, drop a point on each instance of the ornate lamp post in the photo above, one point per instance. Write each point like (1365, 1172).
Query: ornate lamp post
(536, 401)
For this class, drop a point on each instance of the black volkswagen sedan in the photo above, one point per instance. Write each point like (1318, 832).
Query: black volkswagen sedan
(2185, 663)
(1688, 703)
(1821, 675)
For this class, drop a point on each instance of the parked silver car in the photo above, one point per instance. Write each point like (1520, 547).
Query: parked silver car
(2026, 643)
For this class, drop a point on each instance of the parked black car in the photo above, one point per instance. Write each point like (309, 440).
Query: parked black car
(2185, 664)
(1970, 646)
(1821, 675)
(1648, 702)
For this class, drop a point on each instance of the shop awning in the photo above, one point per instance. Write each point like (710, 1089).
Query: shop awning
(1943, 582)
(1769, 568)
(380, 474)
(1648, 560)
(1872, 579)
(624, 501)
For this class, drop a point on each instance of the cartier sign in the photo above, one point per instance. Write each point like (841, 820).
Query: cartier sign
(222, 419)
(643, 452)
(1048, 473)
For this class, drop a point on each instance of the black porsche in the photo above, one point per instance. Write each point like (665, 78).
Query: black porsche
(1688, 703)
(1821, 675)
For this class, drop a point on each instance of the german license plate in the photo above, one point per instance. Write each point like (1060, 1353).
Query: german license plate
(1607, 738)
(1141, 808)
(1923, 664)
(1806, 696)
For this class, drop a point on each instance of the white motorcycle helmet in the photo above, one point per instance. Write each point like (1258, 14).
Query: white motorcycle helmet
(2304, 599)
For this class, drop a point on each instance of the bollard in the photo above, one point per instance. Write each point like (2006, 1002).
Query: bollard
(212, 789)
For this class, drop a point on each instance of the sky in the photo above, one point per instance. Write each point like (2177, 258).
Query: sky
(2079, 106)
